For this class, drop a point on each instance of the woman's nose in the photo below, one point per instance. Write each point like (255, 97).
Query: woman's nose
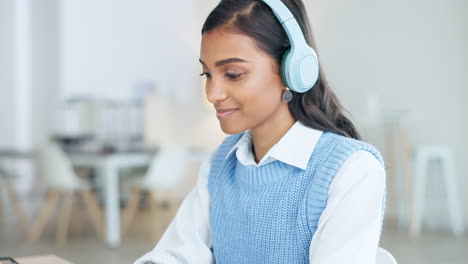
(215, 92)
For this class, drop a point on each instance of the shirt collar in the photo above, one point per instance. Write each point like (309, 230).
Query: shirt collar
(294, 148)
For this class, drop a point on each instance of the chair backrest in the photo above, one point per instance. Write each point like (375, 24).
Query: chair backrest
(167, 167)
(56, 168)
(384, 257)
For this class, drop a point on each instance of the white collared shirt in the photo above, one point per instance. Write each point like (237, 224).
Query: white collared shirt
(348, 230)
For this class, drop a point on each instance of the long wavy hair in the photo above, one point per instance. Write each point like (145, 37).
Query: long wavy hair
(318, 108)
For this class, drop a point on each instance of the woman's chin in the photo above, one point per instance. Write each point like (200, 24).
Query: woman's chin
(231, 128)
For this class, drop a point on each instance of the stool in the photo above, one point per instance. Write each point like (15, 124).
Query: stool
(423, 156)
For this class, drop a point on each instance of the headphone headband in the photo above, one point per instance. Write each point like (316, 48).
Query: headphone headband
(288, 21)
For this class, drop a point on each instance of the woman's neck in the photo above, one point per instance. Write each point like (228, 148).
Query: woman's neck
(268, 133)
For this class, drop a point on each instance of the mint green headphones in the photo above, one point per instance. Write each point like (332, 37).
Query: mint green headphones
(299, 66)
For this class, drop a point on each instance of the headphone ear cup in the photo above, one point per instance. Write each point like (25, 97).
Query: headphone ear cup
(300, 69)
(308, 69)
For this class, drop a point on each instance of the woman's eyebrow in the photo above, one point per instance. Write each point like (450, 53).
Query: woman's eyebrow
(226, 61)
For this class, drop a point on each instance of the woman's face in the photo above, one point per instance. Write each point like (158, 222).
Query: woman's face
(243, 83)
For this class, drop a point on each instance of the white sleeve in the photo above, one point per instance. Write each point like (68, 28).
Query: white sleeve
(349, 228)
(187, 238)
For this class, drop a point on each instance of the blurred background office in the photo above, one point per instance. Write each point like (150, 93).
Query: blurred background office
(99, 98)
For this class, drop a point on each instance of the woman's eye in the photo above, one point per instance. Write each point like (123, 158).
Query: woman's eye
(207, 74)
(233, 76)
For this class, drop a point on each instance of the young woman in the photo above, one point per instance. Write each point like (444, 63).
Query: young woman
(293, 183)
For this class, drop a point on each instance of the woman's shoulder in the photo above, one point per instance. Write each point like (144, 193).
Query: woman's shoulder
(345, 147)
(361, 167)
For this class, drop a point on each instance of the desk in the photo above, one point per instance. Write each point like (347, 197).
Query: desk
(15, 154)
(107, 166)
(48, 259)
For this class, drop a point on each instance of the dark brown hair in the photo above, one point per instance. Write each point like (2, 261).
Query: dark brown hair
(318, 108)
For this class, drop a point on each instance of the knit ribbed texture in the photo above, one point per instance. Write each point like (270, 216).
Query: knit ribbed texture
(269, 214)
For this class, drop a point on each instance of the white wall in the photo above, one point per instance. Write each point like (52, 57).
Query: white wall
(29, 71)
(108, 46)
(98, 48)
(7, 105)
(45, 68)
(413, 54)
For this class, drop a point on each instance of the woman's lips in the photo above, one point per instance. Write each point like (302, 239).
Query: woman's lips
(223, 113)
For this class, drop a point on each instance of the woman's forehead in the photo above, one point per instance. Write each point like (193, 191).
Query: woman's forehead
(218, 44)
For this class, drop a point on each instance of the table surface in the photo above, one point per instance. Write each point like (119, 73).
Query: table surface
(46, 259)
(17, 154)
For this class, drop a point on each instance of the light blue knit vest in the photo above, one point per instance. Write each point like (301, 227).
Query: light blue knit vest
(269, 214)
